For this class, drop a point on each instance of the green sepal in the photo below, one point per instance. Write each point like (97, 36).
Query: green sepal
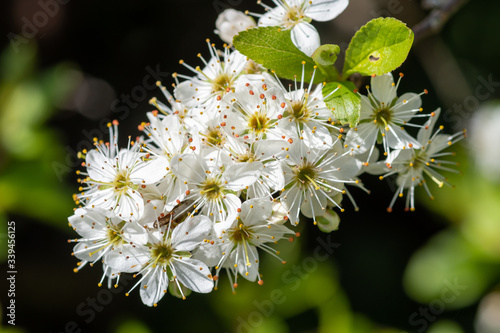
(329, 221)
(325, 57)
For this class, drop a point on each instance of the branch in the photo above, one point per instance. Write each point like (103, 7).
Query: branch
(437, 18)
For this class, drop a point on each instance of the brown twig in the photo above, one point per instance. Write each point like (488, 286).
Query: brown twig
(437, 18)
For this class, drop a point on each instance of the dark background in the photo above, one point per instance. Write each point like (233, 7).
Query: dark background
(110, 44)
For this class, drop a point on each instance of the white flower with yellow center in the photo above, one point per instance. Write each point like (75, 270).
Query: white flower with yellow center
(167, 258)
(239, 241)
(213, 186)
(306, 116)
(296, 15)
(311, 176)
(115, 177)
(382, 116)
(264, 152)
(254, 109)
(211, 83)
(101, 234)
(412, 165)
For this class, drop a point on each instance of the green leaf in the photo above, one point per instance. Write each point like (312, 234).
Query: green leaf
(273, 48)
(325, 57)
(346, 104)
(379, 47)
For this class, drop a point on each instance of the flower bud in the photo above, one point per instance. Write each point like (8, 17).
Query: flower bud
(230, 22)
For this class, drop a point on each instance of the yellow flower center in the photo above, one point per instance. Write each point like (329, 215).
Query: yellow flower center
(383, 116)
(162, 254)
(222, 83)
(305, 175)
(259, 123)
(240, 233)
(212, 189)
(299, 112)
(213, 137)
(122, 181)
(293, 16)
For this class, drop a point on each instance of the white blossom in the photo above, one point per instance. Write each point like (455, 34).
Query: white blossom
(211, 83)
(382, 116)
(311, 176)
(296, 15)
(230, 22)
(250, 230)
(116, 176)
(166, 258)
(411, 165)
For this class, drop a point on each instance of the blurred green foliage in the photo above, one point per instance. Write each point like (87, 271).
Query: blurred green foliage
(311, 293)
(29, 185)
(132, 326)
(468, 251)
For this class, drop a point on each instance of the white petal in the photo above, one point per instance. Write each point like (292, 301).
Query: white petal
(406, 106)
(383, 88)
(398, 138)
(185, 92)
(225, 220)
(292, 204)
(241, 175)
(189, 168)
(365, 137)
(103, 198)
(236, 63)
(250, 266)
(135, 233)
(268, 148)
(194, 274)
(273, 175)
(425, 132)
(208, 253)
(127, 159)
(256, 211)
(305, 37)
(271, 18)
(438, 143)
(320, 139)
(127, 259)
(88, 222)
(172, 189)
(100, 167)
(152, 209)
(366, 108)
(326, 10)
(149, 172)
(83, 250)
(190, 234)
(345, 168)
(230, 22)
(130, 205)
(275, 230)
(311, 207)
(154, 286)
(376, 168)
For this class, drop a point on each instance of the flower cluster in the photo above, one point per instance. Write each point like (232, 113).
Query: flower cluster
(230, 161)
